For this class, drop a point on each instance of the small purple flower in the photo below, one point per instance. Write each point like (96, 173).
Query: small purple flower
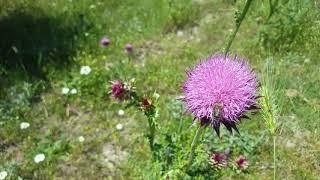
(242, 162)
(218, 160)
(219, 90)
(129, 48)
(117, 89)
(105, 41)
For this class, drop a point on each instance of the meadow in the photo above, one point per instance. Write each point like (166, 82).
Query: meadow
(60, 61)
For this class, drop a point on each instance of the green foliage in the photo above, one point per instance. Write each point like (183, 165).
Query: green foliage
(45, 43)
(288, 25)
(181, 14)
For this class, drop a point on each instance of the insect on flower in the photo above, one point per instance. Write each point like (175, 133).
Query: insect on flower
(220, 90)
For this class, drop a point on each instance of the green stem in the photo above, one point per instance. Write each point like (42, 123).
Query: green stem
(271, 8)
(152, 129)
(241, 17)
(274, 157)
(194, 144)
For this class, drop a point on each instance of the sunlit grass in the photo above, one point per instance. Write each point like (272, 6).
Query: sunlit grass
(79, 132)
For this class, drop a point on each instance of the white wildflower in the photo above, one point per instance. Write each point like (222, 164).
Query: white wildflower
(81, 139)
(24, 125)
(3, 175)
(180, 33)
(85, 70)
(73, 91)
(39, 158)
(119, 127)
(65, 90)
(121, 112)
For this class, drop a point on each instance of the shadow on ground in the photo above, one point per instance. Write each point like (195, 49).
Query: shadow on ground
(31, 42)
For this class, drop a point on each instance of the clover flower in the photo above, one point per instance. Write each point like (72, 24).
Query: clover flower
(119, 127)
(65, 90)
(24, 125)
(219, 90)
(3, 175)
(39, 158)
(85, 70)
(81, 139)
(105, 41)
(73, 91)
(121, 112)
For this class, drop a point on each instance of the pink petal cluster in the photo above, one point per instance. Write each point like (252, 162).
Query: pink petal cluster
(218, 160)
(117, 89)
(105, 41)
(219, 90)
(129, 48)
(242, 162)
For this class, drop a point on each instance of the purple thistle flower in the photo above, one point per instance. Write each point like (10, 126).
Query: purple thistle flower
(220, 90)
(117, 89)
(218, 160)
(129, 48)
(242, 162)
(105, 41)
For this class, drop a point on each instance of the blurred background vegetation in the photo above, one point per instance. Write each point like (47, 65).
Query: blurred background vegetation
(44, 43)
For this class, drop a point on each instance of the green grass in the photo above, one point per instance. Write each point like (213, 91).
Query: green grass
(45, 44)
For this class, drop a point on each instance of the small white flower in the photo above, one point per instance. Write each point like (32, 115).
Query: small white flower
(73, 91)
(86, 34)
(81, 139)
(180, 33)
(39, 158)
(307, 60)
(65, 90)
(119, 127)
(3, 175)
(121, 112)
(24, 125)
(85, 70)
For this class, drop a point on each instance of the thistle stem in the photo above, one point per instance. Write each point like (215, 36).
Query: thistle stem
(271, 8)
(238, 23)
(274, 157)
(194, 144)
(151, 132)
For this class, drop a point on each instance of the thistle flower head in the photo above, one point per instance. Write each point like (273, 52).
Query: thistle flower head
(219, 90)
(117, 89)
(105, 41)
(129, 48)
(146, 103)
(242, 162)
(122, 90)
(218, 160)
